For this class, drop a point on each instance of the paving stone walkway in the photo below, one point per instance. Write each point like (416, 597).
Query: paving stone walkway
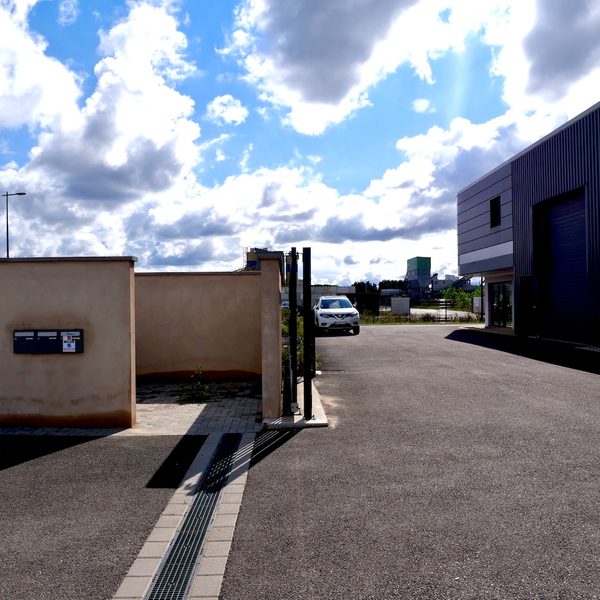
(228, 407)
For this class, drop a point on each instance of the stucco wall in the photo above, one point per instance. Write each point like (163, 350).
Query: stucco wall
(94, 388)
(186, 321)
(271, 339)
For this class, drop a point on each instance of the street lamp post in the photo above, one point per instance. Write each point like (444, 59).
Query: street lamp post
(6, 195)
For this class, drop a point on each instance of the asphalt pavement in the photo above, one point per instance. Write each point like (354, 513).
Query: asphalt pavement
(455, 466)
(76, 510)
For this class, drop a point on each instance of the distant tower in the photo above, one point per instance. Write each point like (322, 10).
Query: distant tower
(418, 274)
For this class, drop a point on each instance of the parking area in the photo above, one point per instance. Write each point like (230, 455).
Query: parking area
(456, 466)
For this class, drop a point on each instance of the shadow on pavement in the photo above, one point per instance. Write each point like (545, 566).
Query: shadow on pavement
(264, 444)
(269, 441)
(175, 466)
(557, 353)
(18, 449)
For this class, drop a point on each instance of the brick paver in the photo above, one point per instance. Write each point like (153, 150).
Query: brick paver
(160, 414)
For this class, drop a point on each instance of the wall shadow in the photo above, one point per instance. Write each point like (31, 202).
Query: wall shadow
(175, 466)
(557, 353)
(18, 449)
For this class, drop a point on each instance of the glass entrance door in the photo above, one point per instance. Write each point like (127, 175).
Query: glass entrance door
(501, 304)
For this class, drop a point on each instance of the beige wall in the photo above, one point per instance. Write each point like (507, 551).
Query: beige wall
(186, 321)
(95, 388)
(271, 338)
(224, 323)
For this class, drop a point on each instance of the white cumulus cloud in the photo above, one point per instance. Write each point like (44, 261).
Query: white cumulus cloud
(226, 109)
(36, 90)
(422, 105)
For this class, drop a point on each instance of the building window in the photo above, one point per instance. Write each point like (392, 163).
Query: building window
(495, 217)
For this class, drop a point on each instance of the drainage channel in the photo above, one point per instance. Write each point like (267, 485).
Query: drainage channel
(174, 575)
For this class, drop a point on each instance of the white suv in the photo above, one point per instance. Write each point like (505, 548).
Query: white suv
(336, 313)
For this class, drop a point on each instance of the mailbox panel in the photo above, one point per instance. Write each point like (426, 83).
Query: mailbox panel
(48, 341)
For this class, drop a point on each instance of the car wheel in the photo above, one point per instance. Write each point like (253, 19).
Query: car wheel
(356, 330)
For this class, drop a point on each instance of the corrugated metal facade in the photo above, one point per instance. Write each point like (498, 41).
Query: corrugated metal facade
(481, 247)
(563, 163)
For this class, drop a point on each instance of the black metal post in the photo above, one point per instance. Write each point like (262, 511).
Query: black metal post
(293, 329)
(307, 313)
(7, 253)
(6, 195)
(481, 301)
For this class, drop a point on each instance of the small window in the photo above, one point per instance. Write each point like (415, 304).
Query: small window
(495, 217)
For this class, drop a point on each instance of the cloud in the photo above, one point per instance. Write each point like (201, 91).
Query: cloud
(563, 46)
(321, 49)
(422, 105)
(36, 90)
(226, 109)
(348, 260)
(135, 135)
(269, 195)
(338, 230)
(190, 226)
(194, 254)
(316, 65)
(68, 11)
(246, 154)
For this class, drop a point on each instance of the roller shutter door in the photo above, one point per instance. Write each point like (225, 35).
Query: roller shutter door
(564, 287)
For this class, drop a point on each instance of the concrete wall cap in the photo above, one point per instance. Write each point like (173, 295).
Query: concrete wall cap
(69, 259)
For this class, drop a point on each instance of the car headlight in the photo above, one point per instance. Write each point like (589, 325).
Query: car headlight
(326, 316)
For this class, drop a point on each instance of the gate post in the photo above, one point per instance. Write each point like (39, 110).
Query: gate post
(307, 313)
(270, 277)
(293, 327)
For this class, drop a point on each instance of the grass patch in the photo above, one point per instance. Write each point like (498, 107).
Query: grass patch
(393, 319)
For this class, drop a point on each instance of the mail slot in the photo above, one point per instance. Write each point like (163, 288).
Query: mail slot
(48, 341)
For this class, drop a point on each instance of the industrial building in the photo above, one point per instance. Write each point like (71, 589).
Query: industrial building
(531, 228)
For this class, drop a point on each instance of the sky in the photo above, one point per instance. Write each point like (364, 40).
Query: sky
(182, 132)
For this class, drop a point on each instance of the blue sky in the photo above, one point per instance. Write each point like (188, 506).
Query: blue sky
(182, 132)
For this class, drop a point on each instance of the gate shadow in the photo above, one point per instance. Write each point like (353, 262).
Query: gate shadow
(265, 443)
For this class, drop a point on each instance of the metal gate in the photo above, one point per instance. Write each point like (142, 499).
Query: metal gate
(306, 342)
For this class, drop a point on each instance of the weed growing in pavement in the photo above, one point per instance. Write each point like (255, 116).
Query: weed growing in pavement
(194, 389)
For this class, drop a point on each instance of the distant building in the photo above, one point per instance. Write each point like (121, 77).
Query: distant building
(418, 275)
(255, 255)
(437, 284)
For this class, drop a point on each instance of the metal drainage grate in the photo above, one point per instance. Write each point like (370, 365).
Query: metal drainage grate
(174, 574)
(334, 372)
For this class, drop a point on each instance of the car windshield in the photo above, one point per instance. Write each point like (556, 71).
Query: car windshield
(336, 303)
